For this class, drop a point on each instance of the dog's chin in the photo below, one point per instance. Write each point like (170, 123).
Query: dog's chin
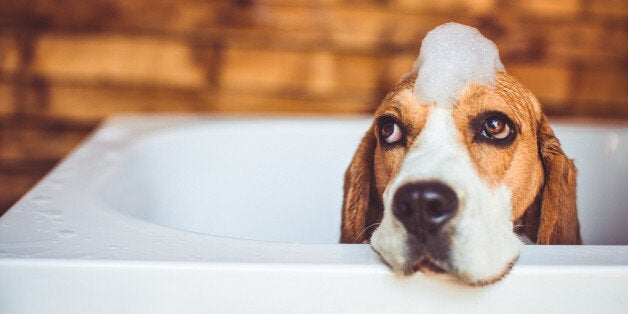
(429, 266)
(487, 281)
(425, 265)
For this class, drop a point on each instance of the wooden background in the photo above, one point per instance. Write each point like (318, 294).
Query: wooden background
(67, 64)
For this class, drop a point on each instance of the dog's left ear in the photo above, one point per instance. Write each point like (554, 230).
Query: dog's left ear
(558, 212)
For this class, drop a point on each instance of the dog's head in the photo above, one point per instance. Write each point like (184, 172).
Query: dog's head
(458, 167)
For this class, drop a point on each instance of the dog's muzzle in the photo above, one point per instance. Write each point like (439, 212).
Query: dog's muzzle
(424, 208)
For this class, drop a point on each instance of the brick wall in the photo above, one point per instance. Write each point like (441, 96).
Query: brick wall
(67, 64)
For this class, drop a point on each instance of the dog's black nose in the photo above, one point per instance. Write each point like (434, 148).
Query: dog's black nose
(424, 205)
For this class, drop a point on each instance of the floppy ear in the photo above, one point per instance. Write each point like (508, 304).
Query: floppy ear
(361, 205)
(558, 212)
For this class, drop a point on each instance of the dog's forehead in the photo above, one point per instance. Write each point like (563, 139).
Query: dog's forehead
(508, 96)
(398, 101)
(525, 106)
(477, 99)
(401, 100)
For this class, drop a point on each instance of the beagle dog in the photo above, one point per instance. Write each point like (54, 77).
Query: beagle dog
(457, 183)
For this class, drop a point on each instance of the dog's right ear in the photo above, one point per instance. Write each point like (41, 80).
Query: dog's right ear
(359, 195)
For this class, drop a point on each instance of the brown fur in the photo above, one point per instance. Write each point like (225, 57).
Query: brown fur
(542, 179)
(558, 219)
(358, 191)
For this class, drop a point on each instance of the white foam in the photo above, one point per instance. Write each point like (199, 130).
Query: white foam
(453, 55)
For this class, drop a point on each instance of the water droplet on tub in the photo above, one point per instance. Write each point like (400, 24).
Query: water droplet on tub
(111, 134)
(611, 144)
(41, 199)
(56, 185)
(63, 173)
(51, 213)
(66, 233)
(111, 156)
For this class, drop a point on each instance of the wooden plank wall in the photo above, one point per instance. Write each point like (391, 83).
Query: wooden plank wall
(67, 64)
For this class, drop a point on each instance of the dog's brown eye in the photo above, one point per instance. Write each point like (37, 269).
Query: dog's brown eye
(390, 132)
(494, 127)
(497, 128)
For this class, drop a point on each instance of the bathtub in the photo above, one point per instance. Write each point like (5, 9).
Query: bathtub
(181, 214)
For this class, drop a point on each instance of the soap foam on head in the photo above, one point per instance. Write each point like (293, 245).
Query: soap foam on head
(453, 55)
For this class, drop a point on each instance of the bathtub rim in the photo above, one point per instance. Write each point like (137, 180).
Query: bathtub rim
(340, 254)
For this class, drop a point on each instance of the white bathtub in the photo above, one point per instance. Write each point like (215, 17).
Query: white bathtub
(205, 214)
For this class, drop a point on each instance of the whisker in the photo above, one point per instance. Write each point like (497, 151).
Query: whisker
(515, 227)
(365, 229)
(520, 235)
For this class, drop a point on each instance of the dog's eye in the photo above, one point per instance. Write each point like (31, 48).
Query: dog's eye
(497, 128)
(390, 132)
(494, 127)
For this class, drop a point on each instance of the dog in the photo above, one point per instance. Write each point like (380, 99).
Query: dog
(459, 169)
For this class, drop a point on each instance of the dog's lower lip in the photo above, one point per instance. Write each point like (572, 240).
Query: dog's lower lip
(427, 265)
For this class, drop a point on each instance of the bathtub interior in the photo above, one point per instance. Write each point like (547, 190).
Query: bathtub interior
(280, 180)
(276, 181)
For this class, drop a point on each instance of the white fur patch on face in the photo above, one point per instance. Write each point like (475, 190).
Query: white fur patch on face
(485, 244)
(482, 244)
(452, 56)
(389, 240)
